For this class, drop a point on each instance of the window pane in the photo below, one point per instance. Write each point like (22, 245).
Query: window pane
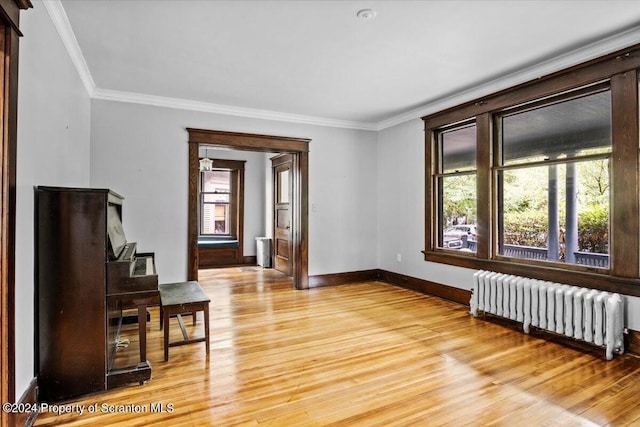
(458, 225)
(218, 180)
(216, 198)
(215, 218)
(283, 186)
(566, 129)
(557, 213)
(458, 147)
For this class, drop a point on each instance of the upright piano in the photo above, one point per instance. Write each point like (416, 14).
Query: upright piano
(87, 273)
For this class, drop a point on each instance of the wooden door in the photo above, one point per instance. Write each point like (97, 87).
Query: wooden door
(282, 213)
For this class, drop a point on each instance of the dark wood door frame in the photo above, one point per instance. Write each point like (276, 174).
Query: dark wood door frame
(9, 29)
(298, 147)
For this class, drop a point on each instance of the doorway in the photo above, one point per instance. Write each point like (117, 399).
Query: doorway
(298, 150)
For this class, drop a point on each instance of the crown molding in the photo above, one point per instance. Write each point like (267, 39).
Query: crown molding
(577, 56)
(206, 107)
(63, 26)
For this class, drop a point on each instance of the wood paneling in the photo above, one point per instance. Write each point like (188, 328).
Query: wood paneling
(360, 354)
(216, 257)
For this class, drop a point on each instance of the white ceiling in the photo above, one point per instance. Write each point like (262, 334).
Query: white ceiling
(316, 62)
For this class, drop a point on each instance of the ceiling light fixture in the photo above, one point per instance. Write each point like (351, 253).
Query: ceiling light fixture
(206, 164)
(366, 14)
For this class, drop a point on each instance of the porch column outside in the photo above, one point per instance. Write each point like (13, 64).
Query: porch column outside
(554, 226)
(571, 233)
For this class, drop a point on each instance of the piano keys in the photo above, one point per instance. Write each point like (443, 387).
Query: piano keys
(87, 273)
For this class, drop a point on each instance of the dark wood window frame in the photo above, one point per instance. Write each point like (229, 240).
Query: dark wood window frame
(620, 70)
(236, 198)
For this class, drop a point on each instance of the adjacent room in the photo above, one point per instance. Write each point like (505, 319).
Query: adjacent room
(313, 213)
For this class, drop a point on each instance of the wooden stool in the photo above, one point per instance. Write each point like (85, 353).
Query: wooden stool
(179, 298)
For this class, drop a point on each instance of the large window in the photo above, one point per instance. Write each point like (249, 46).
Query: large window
(553, 181)
(543, 179)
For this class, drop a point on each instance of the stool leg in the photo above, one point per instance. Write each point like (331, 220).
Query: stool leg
(206, 326)
(166, 335)
(193, 314)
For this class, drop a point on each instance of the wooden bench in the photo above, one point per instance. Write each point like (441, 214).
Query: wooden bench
(177, 299)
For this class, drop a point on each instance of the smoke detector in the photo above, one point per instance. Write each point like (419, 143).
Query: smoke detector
(366, 14)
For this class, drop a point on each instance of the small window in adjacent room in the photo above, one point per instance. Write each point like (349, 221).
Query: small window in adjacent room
(456, 188)
(215, 197)
(553, 180)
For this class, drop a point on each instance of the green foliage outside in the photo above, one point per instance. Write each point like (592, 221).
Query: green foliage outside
(593, 229)
(526, 204)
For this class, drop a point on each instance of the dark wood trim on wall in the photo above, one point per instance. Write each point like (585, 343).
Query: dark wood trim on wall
(625, 213)
(301, 216)
(248, 141)
(192, 223)
(633, 342)
(461, 296)
(9, 41)
(10, 12)
(483, 181)
(299, 147)
(343, 278)
(250, 260)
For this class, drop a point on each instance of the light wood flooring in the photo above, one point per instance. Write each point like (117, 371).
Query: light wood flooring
(367, 354)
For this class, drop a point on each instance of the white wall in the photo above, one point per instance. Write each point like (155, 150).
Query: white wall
(53, 149)
(401, 202)
(141, 152)
(254, 192)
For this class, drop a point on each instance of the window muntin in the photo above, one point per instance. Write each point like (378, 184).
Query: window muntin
(456, 188)
(553, 183)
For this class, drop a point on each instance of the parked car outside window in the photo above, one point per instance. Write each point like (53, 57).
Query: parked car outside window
(458, 236)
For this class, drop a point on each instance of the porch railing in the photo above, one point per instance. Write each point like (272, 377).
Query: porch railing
(529, 252)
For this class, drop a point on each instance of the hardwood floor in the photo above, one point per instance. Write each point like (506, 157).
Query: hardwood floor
(361, 354)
